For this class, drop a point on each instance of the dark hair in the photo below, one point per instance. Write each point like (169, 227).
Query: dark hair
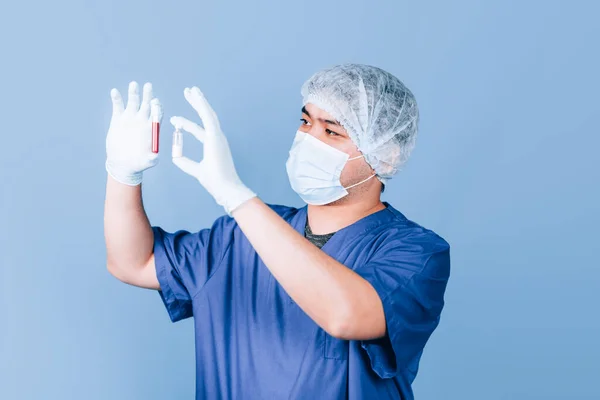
(382, 187)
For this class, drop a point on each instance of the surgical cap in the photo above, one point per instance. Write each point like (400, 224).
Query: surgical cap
(378, 111)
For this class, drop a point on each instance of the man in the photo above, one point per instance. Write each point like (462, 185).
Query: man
(330, 301)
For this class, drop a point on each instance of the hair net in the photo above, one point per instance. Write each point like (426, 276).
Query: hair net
(378, 111)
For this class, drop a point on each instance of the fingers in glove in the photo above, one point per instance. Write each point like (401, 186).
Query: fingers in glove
(190, 127)
(156, 112)
(146, 97)
(133, 98)
(186, 165)
(117, 102)
(197, 100)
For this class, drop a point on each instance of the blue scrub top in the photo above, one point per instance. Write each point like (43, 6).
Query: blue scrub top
(254, 342)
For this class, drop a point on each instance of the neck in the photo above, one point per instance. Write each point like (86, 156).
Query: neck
(342, 213)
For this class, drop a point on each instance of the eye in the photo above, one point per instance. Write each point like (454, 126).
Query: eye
(331, 133)
(304, 121)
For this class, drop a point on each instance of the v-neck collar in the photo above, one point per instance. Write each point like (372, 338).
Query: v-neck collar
(349, 232)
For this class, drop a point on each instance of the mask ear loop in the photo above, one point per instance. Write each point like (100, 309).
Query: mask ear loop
(363, 181)
(355, 158)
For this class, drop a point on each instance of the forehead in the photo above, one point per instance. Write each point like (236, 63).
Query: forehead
(318, 113)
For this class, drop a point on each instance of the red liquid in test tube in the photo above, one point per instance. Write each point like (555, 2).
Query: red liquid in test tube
(155, 135)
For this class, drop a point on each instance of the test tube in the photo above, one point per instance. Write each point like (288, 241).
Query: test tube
(177, 149)
(155, 133)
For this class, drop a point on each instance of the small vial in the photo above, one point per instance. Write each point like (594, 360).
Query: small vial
(177, 149)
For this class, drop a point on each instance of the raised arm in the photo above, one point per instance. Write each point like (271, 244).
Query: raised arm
(129, 237)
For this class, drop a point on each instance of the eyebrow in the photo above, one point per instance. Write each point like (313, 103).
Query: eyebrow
(305, 111)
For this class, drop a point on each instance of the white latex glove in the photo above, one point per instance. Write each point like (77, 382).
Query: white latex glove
(129, 138)
(216, 171)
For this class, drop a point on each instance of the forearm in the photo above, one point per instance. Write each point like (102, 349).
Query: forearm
(334, 296)
(127, 232)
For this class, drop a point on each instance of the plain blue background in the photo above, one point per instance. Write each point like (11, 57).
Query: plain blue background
(505, 169)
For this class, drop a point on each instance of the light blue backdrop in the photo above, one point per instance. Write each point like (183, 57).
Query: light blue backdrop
(505, 168)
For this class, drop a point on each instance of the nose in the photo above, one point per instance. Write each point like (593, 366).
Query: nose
(317, 133)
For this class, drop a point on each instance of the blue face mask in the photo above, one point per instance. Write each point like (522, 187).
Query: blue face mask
(314, 170)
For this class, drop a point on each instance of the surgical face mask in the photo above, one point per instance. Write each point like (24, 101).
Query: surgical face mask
(314, 170)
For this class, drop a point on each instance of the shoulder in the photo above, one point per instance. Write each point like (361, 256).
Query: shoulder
(400, 231)
(409, 242)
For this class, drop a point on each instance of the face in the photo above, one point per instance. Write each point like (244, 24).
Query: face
(324, 127)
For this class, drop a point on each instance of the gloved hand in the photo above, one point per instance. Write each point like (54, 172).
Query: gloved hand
(129, 138)
(216, 171)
